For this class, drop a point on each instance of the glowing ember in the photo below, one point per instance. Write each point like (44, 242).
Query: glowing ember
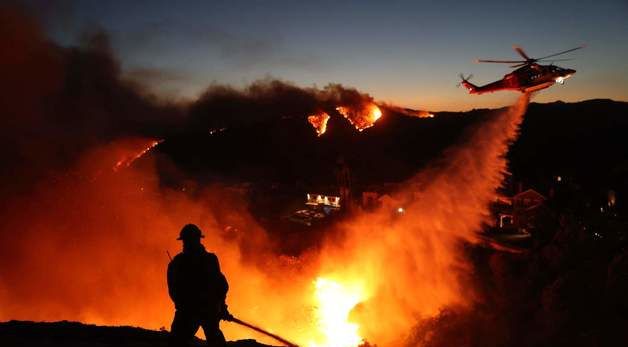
(361, 118)
(410, 112)
(127, 161)
(419, 114)
(319, 122)
(335, 302)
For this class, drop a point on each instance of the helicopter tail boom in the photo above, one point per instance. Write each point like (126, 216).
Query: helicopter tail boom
(464, 81)
(472, 88)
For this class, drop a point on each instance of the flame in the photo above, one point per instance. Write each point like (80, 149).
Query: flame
(376, 113)
(127, 160)
(319, 122)
(416, 113)
(410, 112)
(362, 117)
(334, 304)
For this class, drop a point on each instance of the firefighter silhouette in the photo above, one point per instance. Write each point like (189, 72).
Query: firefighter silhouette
(198, 289)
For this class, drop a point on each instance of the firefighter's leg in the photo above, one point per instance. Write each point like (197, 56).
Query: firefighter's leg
(184, 327)
(213, 335)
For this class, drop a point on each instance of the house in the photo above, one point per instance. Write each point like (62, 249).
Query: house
(519, 211)
(527, 199)
(525, 209)
(323, 200)
(318, 208)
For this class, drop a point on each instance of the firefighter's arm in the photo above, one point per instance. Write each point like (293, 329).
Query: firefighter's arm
(222, 288)
(220, 280)
(172, 291)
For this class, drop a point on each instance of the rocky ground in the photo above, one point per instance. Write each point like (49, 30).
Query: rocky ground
(73, 334)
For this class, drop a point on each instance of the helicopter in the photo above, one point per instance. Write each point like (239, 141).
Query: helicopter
(529, 77)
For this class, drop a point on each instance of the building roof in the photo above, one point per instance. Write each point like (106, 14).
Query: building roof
(530, 194)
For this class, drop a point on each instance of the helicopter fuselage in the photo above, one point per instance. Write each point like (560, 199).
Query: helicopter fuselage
(526, 79)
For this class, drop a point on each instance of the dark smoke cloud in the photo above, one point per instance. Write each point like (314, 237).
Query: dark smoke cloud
(225, 106)
(237, 50)
(87, 238)
(57, 102)
(162, 79)
(31, 71)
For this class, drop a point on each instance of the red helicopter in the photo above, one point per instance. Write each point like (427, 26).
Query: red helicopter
(529, 77)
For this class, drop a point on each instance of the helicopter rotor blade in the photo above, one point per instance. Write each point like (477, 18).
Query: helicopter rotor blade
(518, 65)
(521, 52)
(500, 61)
(563, 52)
(555, 59)
(465, 78)
(528, 60)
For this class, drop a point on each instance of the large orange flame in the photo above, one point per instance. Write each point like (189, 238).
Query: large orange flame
(319, 122)
(334, 303)
(362, 117)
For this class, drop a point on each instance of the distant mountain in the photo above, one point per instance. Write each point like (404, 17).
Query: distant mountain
(584, 140)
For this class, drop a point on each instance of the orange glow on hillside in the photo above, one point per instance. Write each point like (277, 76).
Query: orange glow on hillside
(129, 158)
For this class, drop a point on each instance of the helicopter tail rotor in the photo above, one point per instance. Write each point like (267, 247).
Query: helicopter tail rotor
(463, 79)
(472, 88)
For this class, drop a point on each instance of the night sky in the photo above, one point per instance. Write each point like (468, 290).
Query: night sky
(405, 52)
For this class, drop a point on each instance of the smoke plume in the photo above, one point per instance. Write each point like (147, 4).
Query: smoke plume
(58, 102)
(224, 106)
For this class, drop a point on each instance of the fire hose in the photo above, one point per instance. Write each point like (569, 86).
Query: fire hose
(262, 331)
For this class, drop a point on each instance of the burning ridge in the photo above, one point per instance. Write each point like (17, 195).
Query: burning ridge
(224, 107)
(409, 112)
